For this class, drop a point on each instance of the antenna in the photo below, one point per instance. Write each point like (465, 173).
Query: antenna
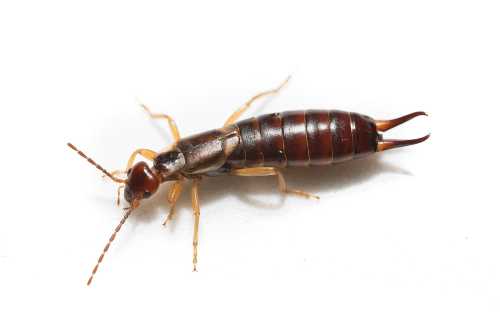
(111, 239)
(91, 161)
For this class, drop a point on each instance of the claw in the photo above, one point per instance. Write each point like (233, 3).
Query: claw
(390, 144)
(384, 125)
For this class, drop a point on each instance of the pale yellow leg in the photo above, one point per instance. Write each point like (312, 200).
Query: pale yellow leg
(116, 173)
(120, 188)
(196, 211)
(171, 123)
(173, 195)
(232, 119)
(146, 153)
(270, 171)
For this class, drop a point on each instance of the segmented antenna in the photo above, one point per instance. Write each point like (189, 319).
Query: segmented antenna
(106, 248)
(91, 161)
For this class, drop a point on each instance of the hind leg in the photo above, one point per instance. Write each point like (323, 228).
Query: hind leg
(270, 171)
(234, 117)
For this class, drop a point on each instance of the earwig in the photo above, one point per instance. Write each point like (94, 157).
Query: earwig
(259, 146)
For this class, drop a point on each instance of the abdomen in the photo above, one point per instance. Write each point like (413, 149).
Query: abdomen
(303, 138)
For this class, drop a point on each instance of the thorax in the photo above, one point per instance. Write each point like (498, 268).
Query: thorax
(208, 151)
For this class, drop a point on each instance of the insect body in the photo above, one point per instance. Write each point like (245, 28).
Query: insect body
(260, 146)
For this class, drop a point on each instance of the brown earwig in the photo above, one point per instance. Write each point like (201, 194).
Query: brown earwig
(259, 146)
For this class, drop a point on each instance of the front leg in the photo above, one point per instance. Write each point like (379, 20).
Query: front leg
(146, 153)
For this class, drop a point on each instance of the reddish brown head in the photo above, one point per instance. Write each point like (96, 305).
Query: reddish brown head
(141, 182)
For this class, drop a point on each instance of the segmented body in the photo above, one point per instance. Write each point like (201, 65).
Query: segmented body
(291, 138)
(303, 138)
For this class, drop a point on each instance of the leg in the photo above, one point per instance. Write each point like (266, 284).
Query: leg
(146, 153)
(245, 106)
(269, 171)
(120, 188)
(173, 195)
(196, 211)
(171, 122)
(117, 173)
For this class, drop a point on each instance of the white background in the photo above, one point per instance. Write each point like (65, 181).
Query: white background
(408, 241)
